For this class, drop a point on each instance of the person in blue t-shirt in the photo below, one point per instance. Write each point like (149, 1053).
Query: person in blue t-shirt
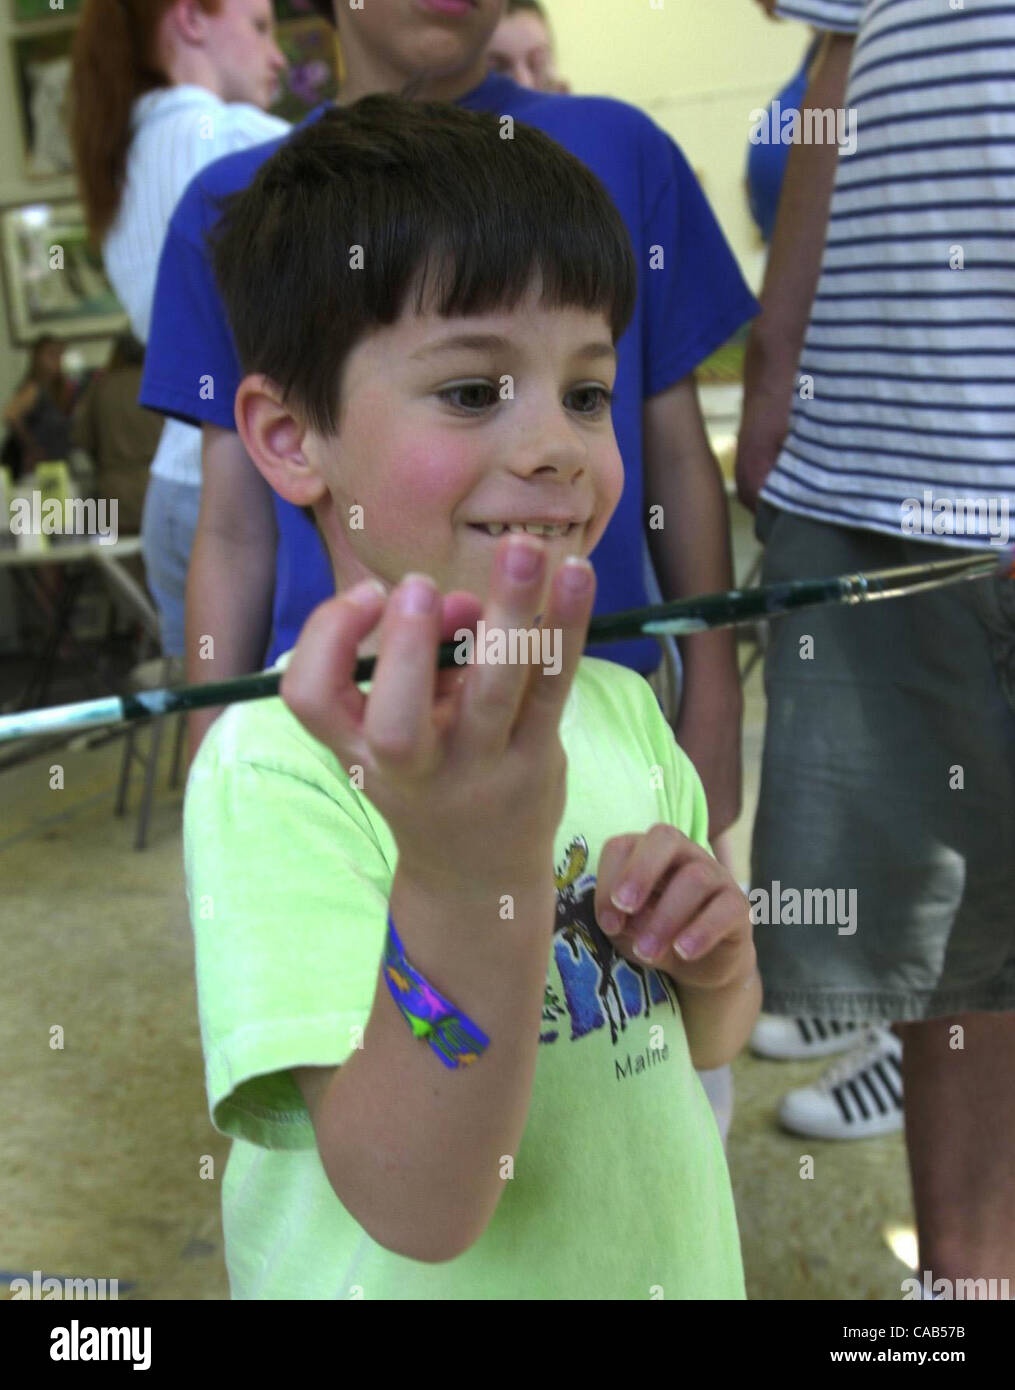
(691, 299)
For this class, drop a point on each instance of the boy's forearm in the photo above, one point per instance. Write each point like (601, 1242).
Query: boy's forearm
(416, 1152)
(718, 1022)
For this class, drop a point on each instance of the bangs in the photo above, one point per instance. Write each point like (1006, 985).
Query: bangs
(388, 205)
(578, 265)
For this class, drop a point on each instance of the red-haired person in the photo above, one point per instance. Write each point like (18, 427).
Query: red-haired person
(160, 89)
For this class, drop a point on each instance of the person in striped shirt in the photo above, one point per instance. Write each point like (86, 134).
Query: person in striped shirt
(877, 430)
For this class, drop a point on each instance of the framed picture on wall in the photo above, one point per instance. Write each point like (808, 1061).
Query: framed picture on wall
(53, 277)
(24, 11)
(315, 67)
(42, 82)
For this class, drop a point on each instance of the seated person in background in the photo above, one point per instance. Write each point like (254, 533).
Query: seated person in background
(118, 435)
(38, 414)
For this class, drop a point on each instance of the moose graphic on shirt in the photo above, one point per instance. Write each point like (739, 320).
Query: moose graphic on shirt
(600, 987)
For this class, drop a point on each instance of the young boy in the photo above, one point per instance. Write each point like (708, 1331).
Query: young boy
(442, 1078)
(258, 564)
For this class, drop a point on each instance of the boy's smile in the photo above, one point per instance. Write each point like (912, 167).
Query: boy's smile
(454, 430)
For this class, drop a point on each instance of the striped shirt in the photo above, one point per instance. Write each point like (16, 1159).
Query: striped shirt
(175, 132)
(906, 386)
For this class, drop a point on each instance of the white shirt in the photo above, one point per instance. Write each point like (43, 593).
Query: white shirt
(176, 131)
(906, 390)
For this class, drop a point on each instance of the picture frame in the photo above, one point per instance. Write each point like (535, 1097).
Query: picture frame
(42, 65)
(73, 299)
(315, 69)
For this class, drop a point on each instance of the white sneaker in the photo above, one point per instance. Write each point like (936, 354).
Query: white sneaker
(796, 1039)
(858, 1097)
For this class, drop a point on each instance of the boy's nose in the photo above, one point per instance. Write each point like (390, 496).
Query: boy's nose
(550, 444)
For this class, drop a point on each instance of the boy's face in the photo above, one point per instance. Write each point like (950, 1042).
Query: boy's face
(451, 428)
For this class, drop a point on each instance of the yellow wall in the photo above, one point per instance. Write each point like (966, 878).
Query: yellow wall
(699, 67)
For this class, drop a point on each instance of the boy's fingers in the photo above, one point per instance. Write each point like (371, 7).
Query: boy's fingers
(317, 685)
(462, 610)
(656, 854)
(689, 890)
(615, 854)
(722, 918)
(398, 726)
(566, 618)
(494, 690)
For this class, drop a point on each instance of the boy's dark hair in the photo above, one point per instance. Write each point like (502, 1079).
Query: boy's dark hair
(513, 6)
(440, 202)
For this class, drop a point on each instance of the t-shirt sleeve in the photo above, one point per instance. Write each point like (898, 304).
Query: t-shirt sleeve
(840, 16)
(191, 368)
(695, 297)
(288, 887)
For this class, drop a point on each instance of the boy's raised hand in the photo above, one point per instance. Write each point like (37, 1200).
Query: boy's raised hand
(466, 766)
(679, 910)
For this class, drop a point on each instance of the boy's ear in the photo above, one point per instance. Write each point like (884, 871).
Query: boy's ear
(275, 439)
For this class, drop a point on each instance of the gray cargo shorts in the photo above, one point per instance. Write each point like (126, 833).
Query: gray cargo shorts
(883, 858)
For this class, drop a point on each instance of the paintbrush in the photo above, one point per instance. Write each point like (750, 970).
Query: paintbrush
(675, 619)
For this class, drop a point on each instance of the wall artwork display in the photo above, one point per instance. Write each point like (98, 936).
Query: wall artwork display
(54, 281)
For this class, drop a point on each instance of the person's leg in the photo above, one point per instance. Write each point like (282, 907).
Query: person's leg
(960, 1134)
(167, 535)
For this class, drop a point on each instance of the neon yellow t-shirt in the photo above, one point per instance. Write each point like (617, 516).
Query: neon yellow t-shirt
(621, 1189)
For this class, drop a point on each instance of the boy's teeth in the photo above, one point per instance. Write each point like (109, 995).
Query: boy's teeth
(496, 528)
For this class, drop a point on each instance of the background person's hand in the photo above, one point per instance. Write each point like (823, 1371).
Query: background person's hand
(763, 428)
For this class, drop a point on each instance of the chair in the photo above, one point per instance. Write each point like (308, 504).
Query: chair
(152, 674)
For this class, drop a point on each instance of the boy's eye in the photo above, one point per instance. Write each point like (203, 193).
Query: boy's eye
(589, 400)
(470, 395)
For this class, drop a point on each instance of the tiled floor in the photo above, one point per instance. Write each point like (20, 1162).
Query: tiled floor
(104, 1138)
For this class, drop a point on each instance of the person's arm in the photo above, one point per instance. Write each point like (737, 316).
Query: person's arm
(718, 1022)
(414, 1151)
(691, 555)
(231, 579)
(791, 278)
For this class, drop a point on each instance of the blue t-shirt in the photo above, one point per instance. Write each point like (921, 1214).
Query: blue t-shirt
(691, 298)
(767, 160)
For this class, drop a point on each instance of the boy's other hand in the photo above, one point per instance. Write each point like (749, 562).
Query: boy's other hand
(685, 915)
(467, 769)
